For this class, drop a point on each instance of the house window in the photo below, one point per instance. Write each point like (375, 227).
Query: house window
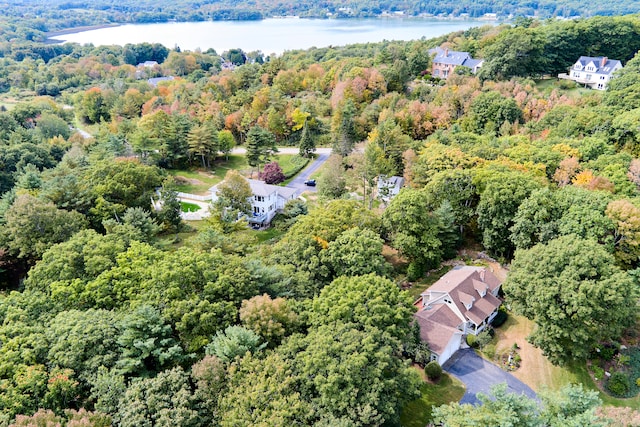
(576, 75)
(256, 209)
(600, 86)
(602, 77)
(588, 76)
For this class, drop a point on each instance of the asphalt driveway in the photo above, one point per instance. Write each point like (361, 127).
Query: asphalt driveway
(479, 375)
(298, 181)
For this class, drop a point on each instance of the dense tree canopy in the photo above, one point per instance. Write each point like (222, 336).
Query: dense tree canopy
(574, 292)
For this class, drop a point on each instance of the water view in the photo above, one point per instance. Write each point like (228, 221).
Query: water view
(271, 35)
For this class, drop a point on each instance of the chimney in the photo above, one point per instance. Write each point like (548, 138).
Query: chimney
(604, 61)
(446, 52)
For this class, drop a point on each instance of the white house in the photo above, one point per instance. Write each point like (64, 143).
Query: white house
(463, 301)
(266, 201)
(595, 72)
(388, 187)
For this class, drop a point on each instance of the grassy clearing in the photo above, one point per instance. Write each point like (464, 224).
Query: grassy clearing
(538, 373)
(417, 413)
(268, 234)
(290, 162)
(548, 85)
(199, 180)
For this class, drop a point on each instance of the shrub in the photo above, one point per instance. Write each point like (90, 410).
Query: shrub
(484, 337)
(433, 370)
(500, 318)
(415, 271)
(618, 384)
(471, 341)
(272, 173)
(490, 351)
(608, 351)
(598, 372)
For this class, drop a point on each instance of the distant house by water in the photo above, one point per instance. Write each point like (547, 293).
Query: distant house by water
(593, 71)
(445, 61)
(155, 80)
(147, 64)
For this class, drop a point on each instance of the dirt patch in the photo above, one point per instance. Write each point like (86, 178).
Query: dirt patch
(535, 369)
(393, 257)
(182, 180)
(206, 174)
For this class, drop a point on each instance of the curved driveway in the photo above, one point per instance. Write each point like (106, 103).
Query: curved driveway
(479, 375)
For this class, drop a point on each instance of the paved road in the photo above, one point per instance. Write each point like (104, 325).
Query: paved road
(479, 375)
(298, 181)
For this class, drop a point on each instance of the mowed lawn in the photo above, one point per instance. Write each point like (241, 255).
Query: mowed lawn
(538, 373)
(199, 180)
(417, 413)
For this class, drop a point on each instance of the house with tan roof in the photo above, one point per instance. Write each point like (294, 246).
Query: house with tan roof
(463, 301)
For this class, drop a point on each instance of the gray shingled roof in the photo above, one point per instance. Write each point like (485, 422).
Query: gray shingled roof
(609, 66)
(454, 57)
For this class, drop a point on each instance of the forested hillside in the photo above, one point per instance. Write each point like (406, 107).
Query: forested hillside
(31, 18)
(115, 313)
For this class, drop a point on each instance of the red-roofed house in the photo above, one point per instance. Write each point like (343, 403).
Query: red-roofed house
(463, 301)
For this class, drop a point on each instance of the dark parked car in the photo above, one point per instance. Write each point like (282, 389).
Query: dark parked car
(310, 182)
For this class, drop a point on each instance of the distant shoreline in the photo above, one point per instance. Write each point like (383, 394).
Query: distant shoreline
(51, 34)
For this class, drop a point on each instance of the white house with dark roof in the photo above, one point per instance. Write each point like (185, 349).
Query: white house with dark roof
(463, 301)
(266, 200)
(389, 187)
(445, 61)
(594, 72)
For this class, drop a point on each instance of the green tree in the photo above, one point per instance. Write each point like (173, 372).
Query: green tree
(161, 401)
(356, 252)
(147, 343)
(169, 214)
(226, 142)
(271, 319)
(362, 302)
(233, 195)
(264, 393)
(515, 52)
(234, 342)
(31, 226)
(307, 143)
(351, 375)
(203, 142)
(261, 145)
(331, 183)
(498, 206)
(412, 228)
(574, 292)
(84, 256)
(571, 406)
(489, 110)
(83, 341)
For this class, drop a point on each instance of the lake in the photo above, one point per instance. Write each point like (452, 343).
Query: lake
(271, 35)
